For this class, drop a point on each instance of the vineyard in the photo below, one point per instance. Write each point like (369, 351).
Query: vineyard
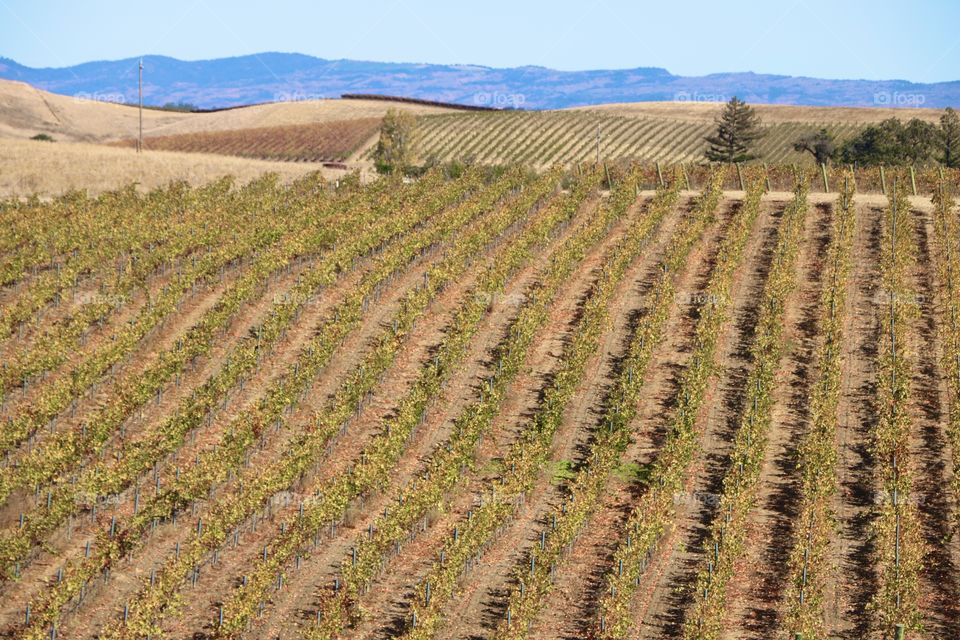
(640, 399)
(566, 137)
(318, 142)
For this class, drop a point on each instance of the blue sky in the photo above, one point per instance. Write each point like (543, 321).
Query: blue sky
(878, 39)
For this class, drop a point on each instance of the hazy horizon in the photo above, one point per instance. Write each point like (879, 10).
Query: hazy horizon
(858, 40)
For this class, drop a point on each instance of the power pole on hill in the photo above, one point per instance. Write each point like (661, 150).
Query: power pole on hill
(140, 92)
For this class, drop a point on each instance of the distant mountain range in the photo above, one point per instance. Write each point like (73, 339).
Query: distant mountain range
(272, 77)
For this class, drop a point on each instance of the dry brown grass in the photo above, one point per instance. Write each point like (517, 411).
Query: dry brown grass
(26, 111)
(278, 114)
(771, 113)
(45, 168)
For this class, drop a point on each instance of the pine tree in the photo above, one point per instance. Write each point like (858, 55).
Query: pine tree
(950, 136)
(738, 127)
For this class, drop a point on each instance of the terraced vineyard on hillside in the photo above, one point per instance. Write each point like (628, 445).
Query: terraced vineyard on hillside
(614, 401)
(566, 137)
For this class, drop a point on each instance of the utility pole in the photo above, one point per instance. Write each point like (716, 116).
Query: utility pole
(140, 92)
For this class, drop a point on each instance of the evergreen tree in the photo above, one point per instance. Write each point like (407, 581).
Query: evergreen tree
(892, 143)
(950, 138)
(738, 127)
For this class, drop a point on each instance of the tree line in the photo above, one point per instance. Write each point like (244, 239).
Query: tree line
(891, 142)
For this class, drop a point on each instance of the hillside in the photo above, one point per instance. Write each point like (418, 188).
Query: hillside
(29, 167)
(770, 113)
(490, 404)
(267, 77)
(331, 141)
(346, 130)
(564, 137)
(26, 111)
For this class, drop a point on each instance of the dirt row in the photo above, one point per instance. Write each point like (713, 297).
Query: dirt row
(71, 538)
(755, 597)
(348, 355)
(481, 605)
(756, 593)
(291, 608)
(666, 591)
(929, 447)
(215, 585)
(568, 611)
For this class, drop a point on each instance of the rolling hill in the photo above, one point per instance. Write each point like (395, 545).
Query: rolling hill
(345, 131)
(271, 77)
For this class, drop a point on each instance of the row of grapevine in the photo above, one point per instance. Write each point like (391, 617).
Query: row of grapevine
(329, 141)
(566, 137)
(212, 465)
(68, 230)
(372, 471)
(55, 395)
(653, 514)
(108, 477)
(726, 542)
(947, 236)
(276, 247)
(524, 460)
(899, 544)
(535, 578)
(817, 457)
(257, 485)
(442, 471)
(220, 219)
(143, 232)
